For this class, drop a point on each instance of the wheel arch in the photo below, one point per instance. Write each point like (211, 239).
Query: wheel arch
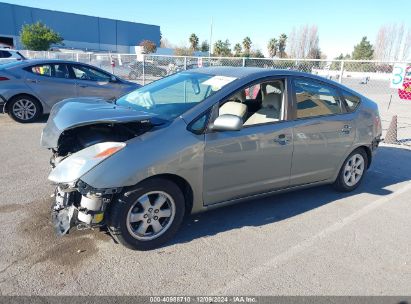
(368, 152)
(8, 102)
(182, 183)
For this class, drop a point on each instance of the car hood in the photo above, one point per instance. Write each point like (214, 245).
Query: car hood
(76, 112)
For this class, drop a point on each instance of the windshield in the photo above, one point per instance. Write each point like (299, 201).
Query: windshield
(172, 96)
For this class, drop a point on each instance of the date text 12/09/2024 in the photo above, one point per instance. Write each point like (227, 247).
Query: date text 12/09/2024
(203, 299)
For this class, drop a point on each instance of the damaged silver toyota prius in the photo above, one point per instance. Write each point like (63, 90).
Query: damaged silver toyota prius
(200, 139)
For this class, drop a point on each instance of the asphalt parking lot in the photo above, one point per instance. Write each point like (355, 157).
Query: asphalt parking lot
(311, 242)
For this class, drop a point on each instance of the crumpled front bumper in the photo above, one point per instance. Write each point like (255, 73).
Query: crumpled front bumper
(81, 206)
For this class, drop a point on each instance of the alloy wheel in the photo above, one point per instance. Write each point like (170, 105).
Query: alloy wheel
(24, 109)
(354, 169)
(151, 215)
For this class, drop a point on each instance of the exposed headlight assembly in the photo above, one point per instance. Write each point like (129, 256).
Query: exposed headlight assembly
(75, 166)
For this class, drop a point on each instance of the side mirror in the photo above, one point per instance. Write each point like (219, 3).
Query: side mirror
(227, 122)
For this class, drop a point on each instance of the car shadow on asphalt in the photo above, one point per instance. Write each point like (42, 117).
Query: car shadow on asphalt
(42, 119)
(387, 169)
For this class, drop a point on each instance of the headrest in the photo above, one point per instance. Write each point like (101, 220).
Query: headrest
(239, 96)
(272, 100)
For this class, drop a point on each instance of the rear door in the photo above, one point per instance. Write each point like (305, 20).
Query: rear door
(91, 82)
(51, 82)
(323, 131)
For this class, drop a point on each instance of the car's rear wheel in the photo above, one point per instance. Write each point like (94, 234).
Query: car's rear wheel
(147, 216)
(24, 109)
(352, 171)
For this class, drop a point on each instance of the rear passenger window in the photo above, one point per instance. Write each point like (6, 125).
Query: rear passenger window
(352, 101)
(43, 70)
(316, 99)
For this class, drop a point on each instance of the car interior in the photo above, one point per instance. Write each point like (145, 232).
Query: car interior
(258, 104)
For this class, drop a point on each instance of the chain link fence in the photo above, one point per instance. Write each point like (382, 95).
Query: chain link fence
(370, 78)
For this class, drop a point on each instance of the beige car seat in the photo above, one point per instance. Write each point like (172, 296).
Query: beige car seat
(270, 109)
(234, 106)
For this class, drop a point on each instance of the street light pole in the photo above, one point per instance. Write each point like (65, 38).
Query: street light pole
(211, 38)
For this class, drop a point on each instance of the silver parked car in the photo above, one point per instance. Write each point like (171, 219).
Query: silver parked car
(30, 88)
(10, 55)
(201, 139)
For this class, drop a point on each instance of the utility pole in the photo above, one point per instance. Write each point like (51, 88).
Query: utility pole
(211, 38)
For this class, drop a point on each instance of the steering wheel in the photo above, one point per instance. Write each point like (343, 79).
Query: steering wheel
(84, 77)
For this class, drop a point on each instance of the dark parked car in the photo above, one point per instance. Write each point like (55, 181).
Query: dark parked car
(136, 70)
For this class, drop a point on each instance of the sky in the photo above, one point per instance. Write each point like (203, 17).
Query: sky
(341, 24)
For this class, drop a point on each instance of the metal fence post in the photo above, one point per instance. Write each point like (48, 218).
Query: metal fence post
(185, 63)
(144, 66)
(77, 57)
(243, 61)
(341, 72)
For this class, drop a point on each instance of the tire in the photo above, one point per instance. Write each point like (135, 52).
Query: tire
(134, 218)
(352, 171)
(24, 108)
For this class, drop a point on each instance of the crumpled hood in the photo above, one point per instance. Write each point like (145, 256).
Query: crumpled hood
(75, 112)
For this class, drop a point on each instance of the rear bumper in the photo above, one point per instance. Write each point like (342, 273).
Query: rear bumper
(375, 143)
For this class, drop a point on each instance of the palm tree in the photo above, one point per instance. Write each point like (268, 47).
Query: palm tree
(247, 45)
(218, 48)
(193, 41)
(272, 47)
(237, 49)
(282, 42)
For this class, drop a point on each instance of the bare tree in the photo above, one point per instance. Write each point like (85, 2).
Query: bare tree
(391, 44)
(398, 41)
(380, 50)
(292, 47)
(304, 42)
(407, 46)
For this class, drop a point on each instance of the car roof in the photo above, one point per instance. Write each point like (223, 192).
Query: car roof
(39, 61)
(242, 72)
(29, 62)
(255, 73)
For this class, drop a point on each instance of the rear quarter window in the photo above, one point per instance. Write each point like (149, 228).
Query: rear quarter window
(351, 101)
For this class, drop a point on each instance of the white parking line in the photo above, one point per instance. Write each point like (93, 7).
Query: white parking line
(254, 273)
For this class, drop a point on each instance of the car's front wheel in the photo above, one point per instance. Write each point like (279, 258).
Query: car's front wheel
(148, 215)
(24, 109)
(352, 171)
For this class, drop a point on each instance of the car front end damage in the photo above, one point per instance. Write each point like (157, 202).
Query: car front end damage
(82, 133)
(80, 206)
(76, 203)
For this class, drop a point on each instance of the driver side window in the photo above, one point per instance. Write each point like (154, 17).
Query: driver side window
(88, 73)
(258, 104)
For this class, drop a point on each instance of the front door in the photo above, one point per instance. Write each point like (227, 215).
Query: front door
(254, 160)
(323, 132)
(257, 158)
(95, 83)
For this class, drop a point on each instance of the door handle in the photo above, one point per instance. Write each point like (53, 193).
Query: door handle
(33, 80)
(82, 85)
(346, 129)
(281, 139)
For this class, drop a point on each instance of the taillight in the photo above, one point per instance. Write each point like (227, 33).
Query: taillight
(3, 78)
